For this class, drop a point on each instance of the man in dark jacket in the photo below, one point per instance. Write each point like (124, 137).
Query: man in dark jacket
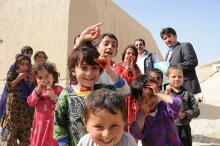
(184, 55)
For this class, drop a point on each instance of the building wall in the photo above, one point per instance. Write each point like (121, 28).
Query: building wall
(52, 25)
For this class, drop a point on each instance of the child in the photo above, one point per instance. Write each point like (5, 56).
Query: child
(44, 98)
(40, 56)
(190, 105)
(154, 124)
(106, 44)
(105, 118)
(18, 119)
(69, 126)
(157, 74)
(129, 70)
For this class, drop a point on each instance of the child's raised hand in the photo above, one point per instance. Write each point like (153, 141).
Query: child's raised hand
(42, 85)
(22, 75)
(104, 62)
(153, 86)
(50, 92)
(91, 33)
(168, 89)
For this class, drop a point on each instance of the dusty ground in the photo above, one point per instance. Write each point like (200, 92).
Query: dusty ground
(205, 129)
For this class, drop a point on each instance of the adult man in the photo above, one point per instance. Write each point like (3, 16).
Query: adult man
(145, 59)
(184, 55)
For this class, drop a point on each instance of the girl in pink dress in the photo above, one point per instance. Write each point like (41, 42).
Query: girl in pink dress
(44, 98)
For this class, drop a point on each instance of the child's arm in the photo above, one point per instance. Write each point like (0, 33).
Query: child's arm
(120, 83)
(18, 79)
(60, 132)
(193, 110)
(166, 98)
(89, 34)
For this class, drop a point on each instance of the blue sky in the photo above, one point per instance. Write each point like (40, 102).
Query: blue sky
(195, 21)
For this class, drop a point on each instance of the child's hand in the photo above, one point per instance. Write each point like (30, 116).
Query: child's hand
(129, 62)
(42, 85)
(22, 75)
(181, 116)
(104, 62)
(91, 33)
(153, 86)
(50, 92)
(168, 89)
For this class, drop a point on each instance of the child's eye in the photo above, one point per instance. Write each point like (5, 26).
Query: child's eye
(98, 127)
(114, 125)
(95, 67)
(84, 68)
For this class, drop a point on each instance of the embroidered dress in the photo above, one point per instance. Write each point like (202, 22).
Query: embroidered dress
(69, 126)
(42, 129)
(159, 129)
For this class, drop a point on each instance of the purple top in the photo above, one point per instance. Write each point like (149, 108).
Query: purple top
(159, 130)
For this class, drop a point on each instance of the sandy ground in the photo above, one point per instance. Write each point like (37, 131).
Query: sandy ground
(205, 128)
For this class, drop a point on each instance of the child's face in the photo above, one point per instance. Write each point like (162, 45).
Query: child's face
(105, 128)
(86, 75)
(40, 58)
(44, 77)
(108, 47)
(29, 54)
(157, 77)
(175, 78)
(148, 98)
(23, 66)
(130, 52)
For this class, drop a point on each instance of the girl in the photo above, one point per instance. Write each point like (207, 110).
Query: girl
(154, 123)
(40, 56)
(128, 70)
(44, 98)
(18, 117)
(83, 63)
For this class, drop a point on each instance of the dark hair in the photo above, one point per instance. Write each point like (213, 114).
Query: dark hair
(167, 31)
(98, 40)
(37, 53)
(174, 67)
(139, 83)
(19, 58)
(133, 48)
(140, 40)
(156, 70)
(105, 99)
(50, 67)
(26, 49)
(87, 53)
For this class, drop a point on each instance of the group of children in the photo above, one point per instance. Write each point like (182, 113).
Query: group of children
(105, 103)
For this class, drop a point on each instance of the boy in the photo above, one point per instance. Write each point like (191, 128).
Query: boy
(154, 123)
(105, 118)
(190, 105)
(157, 74)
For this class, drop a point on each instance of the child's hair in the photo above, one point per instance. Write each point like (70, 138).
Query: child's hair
(19, 58)
(133, 48)
(156, 70)
(139, 83)
(50, 67)
(87, 53)
(140, 40)
(98, 40)
(37, 53)
(26, 50)
(166, 31)
(104, 99)
(174, 67)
